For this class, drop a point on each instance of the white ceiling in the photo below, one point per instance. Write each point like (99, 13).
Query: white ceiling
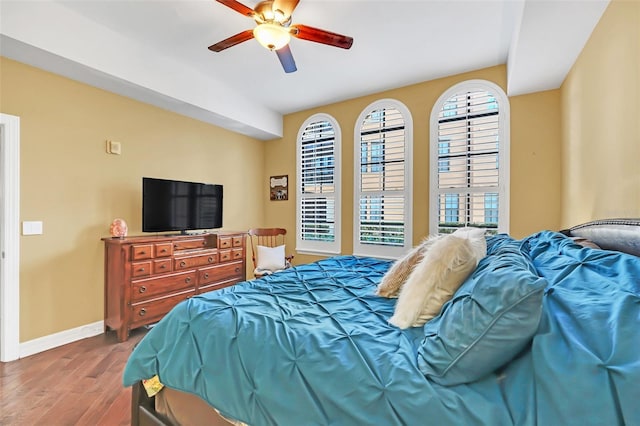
(156, 50)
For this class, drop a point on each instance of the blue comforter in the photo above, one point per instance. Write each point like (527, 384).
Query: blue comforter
(312, 345)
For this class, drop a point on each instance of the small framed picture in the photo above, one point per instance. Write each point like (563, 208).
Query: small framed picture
(279, 188)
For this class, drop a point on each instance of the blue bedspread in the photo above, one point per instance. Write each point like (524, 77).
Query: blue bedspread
(312, 345)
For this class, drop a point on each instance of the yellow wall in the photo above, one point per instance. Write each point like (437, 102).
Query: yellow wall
(535, 157)
(535, 162)
(70, 183)
(601, 121)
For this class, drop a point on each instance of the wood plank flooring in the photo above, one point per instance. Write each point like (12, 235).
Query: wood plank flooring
(76, 384)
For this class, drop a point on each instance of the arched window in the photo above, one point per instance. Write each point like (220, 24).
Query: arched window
(469, 159)
(318, 186)
(383, 173)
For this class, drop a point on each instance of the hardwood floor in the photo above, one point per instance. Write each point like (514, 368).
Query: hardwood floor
(76, 384)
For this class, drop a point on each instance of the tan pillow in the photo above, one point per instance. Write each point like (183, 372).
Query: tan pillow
(395, 277)
(435, 279)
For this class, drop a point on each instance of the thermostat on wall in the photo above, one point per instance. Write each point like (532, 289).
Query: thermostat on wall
(114, 147)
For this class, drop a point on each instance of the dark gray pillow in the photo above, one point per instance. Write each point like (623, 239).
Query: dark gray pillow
(610, 234)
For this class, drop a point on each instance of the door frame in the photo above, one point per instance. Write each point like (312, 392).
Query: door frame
(10, 238)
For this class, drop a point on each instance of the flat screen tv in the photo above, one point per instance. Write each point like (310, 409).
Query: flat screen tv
(172, 205)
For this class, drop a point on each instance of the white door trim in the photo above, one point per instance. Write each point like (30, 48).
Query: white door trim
(10, 238)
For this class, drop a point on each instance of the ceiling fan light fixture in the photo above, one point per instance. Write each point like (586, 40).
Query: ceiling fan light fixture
(278, 16)
(272, 36)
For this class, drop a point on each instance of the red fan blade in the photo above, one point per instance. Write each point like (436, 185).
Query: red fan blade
(232, 41)
(287, 6)
(321, 36)
(238, 7)
(286, 59)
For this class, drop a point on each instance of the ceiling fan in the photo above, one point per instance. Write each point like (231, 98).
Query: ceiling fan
(274, 30)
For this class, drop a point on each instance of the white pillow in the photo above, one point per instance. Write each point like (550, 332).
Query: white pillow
(434, 280)
(396, 276)
(476, 238)
(270, 258)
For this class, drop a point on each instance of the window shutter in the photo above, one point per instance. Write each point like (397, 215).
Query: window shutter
(318, 187)
(382, 192)
(468, 176)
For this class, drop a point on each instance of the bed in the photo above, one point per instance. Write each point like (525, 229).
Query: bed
(546, 330)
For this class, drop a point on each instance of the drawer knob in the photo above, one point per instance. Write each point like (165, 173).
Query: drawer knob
(183, 264)
(143, 311)
(237, 269)
(142, 252)
(163, 266)
(206, 275)
(142, 289)
(140, 269)
(187, 280)
(210, 259)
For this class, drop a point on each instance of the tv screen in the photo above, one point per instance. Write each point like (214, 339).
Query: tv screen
(171, 205)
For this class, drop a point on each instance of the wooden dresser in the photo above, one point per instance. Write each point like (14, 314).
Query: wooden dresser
(144, 277)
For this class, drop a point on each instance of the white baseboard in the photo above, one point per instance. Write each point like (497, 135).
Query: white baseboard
(51, 341)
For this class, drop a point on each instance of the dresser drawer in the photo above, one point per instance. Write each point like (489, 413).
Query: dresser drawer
(226, 271)
(141, 269)
(196, 243)
(237, 241)
(218, 273)
(188, 262)
(149, 288)
(225, 255)
(218, 285)
(225, 242)
(237, 253)
(207, 275)
(141, 251)
(152, 311)
(163, 249)
(162, 266)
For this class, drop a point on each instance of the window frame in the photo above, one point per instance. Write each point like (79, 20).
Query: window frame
(320, 247)
(375, 250)
(504, 136)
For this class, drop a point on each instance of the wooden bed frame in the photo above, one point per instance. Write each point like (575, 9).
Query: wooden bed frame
(178, 406)
(611, 234)
(143, 410)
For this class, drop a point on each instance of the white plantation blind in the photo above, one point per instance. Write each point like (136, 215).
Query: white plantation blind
(469, 165)
(383, 172)
(318, 185)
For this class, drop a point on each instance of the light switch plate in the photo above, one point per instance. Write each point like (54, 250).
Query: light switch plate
(32, 227)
